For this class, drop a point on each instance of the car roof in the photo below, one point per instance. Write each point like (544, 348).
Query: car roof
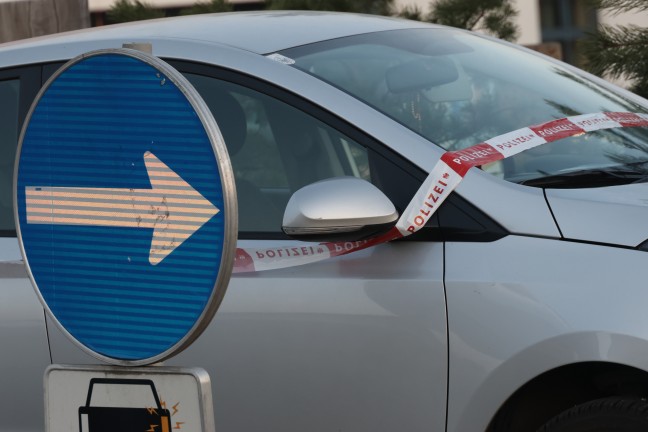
(260, 32)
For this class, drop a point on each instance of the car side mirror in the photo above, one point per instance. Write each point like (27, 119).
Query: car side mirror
(340, 208)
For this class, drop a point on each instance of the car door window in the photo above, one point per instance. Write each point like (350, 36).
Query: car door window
(275, 149)
(18, 88)
(9, 111)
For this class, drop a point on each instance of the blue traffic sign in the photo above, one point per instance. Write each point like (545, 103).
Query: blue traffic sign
(125, 206)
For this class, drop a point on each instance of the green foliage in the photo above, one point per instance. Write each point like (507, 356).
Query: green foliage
(131, 10)
(491, 16)
(376, 7)
(621, 51)
(412, 12)
(204, 7)
(621, 6)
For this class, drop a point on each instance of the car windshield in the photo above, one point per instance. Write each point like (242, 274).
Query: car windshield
(458, 89)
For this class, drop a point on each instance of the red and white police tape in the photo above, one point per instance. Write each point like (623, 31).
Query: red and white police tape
(442, 180)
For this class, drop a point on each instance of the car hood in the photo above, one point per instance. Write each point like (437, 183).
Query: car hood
(614, 215)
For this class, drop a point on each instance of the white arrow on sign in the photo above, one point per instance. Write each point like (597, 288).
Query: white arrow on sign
(172, 207)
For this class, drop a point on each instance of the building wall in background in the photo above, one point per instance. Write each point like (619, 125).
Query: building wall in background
(25, 19)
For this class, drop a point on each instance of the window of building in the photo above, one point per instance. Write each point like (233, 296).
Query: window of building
(567, 22)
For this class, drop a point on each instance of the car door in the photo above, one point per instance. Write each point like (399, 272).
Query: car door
(357, 342)
(24, 351)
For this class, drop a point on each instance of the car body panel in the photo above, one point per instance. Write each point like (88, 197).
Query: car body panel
(519, 209)
(9, 250)
(25, 352)
(593, 214)
(340, 349)
(545, 303)
(273, 31)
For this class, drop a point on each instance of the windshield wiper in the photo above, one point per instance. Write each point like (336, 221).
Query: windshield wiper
(586, 178)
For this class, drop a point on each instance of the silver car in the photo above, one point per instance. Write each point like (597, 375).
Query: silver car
(518, 305)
